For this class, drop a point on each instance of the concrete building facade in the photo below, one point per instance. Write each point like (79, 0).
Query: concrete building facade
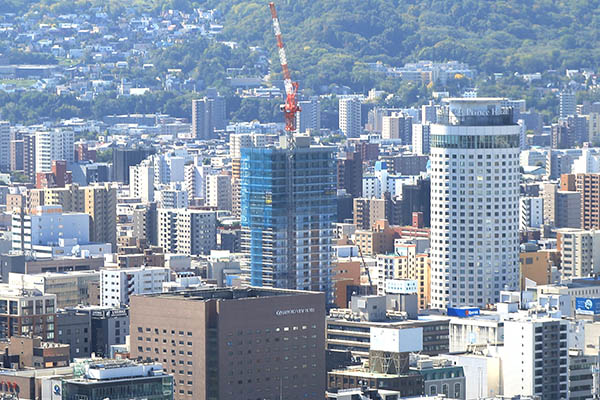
(474, 203)
(350, 117)
(537, 353)
(218, 192)
(117, 285)
(186, 231)
(235, 343)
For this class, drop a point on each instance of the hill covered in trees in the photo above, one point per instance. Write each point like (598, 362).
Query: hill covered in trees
(331, 40)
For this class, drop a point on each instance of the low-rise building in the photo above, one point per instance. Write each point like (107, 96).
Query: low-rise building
(582, 369)
(74, 328)
(25, 312)
(109, 327)
(110, 379)
(32, 352)
(476, 330)
(70, 288)
(348, 331)
(441, 377)
(118, 284)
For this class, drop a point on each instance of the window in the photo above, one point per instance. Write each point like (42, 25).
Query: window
(457, 390)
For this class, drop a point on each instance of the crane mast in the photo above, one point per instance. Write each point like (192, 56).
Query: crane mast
(290, 107)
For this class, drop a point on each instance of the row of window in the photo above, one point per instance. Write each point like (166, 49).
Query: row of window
(164, 331)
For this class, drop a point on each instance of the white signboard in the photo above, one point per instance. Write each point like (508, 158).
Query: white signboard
(396, 340)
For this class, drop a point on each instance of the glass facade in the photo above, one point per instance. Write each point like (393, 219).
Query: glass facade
(288, 206)
(475, 141)
(151, 388)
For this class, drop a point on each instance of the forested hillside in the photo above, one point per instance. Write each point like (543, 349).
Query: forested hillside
(329, 40)
(330, 43)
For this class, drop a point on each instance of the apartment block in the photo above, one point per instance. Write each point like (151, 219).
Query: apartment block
(350, 173)
(309, 119)
(537, 352)
(531, 212)
(141, 181)
(25, 312)
(218, 192)
(203, 126)
(397, 126)
(579, 252)
(350, 117)
(117, 285)
(420, 138)
(53, 145)
(367, 211)
(588, 185)
(562, 208)
(406, 265)
(5, 142)
(186, 231)
(99, 201)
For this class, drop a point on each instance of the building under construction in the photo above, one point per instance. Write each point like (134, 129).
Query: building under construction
(288, 206)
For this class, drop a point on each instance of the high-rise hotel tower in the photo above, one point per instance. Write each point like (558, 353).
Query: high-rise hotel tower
(474, 202)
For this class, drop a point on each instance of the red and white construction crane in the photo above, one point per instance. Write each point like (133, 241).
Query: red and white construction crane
(291, 107)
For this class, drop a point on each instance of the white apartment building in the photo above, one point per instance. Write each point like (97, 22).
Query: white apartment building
(118, 284)
(531, 212)
(4, 146)
(420, 138)
(53, 145)
(394, 266)
(380, 182)
(579, 252)
(168, 168)
(238, 141)
(587, 163)
(141, 181)
(195, 179)
(535, 358)
(350, 116)
(218, 191)
(172, 196)
(189, 232)
(474, 203)
(46, 225)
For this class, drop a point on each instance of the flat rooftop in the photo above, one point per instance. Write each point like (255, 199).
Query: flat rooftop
(393, 322)
(364, 373)
(473, 99)
(203, 294)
